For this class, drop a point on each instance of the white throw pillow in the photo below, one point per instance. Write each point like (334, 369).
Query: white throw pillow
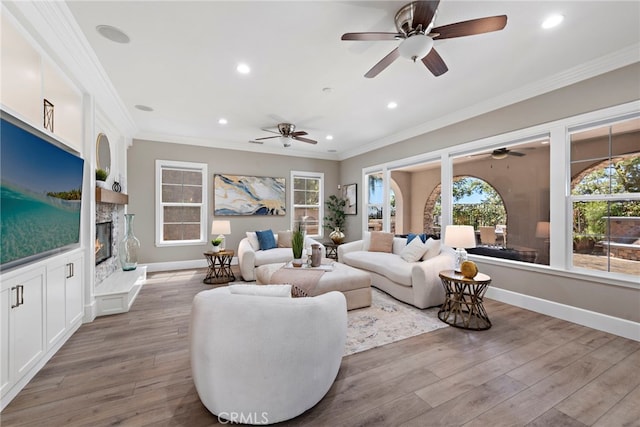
(413, 251)
(433, 248)
(253, 239)
(283, 291)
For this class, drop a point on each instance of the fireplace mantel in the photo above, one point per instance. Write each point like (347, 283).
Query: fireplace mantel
(107, 196)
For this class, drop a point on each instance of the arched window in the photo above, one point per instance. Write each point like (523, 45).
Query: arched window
(475, 202)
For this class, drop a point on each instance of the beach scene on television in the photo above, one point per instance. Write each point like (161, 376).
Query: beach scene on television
(41, 189)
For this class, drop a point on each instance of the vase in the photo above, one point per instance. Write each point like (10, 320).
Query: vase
(336, 236)
(130, 246)
(216, 249)
(316, 255)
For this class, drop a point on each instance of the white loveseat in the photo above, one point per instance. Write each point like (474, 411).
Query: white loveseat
(416, 283)
(264, 359)
(250, 257)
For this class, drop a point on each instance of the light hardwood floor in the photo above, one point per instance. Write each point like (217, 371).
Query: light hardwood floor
(528, 369)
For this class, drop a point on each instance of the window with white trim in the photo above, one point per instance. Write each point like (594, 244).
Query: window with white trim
(605, 196)
(307, 194)
(181, 203)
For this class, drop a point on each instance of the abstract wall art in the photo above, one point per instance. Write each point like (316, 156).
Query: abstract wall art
(249, 195)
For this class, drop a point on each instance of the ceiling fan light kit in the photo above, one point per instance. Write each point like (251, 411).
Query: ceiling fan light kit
(415, 47)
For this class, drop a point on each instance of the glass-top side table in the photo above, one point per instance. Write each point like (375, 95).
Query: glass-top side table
(463, 306)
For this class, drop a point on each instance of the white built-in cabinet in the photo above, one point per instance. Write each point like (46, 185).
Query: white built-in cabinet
(41, 308)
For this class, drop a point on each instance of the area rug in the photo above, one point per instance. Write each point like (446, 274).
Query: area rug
(387, 320)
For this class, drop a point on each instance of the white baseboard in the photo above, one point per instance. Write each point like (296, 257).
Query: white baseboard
(180, 265)
(602, 322)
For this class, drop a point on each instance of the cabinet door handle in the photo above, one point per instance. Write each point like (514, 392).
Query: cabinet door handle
(15, 288)
(21, 290)
(69, 270)
(19, 295)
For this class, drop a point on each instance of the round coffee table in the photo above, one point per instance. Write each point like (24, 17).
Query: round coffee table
(463, 306)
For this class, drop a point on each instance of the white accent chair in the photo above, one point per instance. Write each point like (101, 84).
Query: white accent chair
(265, 359)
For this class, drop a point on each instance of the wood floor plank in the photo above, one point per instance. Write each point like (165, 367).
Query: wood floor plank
(593, 400)
(133, 369)
(467, 406)
(534, 401)
(624, 413)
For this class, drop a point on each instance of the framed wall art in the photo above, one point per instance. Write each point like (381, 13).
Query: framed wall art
(248, 195)
(350, 194)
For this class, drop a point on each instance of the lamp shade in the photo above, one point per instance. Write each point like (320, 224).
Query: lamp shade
(220, 227)
(460, 236)
(542, 230)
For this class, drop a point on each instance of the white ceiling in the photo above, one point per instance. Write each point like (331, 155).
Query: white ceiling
(182, 59)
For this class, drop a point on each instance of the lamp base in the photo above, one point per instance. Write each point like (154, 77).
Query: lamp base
(461, 256)
(221, 236)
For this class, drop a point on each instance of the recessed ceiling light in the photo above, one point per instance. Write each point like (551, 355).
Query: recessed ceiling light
(222, 121)
(329, 137)
(332, 151)
(112, 33)
(546, 141)
(327, 89)
(143, 107)
(392, 105)
(552, 21)
(243, 68)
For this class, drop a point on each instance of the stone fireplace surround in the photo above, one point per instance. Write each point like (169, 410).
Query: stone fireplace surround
(109, 212)
(115, 289)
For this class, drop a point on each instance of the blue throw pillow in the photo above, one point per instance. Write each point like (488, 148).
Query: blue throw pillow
(412, 236)
(266, 239)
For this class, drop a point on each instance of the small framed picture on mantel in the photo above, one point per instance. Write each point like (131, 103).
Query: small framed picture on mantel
(350, 194)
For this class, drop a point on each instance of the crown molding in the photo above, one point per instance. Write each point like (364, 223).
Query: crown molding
(604, 64)
(53, 27)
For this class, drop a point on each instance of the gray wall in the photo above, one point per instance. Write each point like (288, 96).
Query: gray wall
(607, 90)
(142, 156)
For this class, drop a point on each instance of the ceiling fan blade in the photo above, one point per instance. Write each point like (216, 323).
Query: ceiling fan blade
(434, 62)
(424, 13)
(515, 153)
(384, 63)
(267, 137)
(470, 28)
(271, 131)
(371, 36)
(299, 138)
(299, 133)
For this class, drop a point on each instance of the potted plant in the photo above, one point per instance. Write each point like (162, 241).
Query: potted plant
(101, 178)
(335, 219)
(297, 243)
(216, 244)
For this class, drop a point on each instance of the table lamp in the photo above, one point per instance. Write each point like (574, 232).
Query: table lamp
(460, 237)
(221, 228)
(542, 230)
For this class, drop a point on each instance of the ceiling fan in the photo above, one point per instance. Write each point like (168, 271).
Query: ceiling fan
(502, 153)
(287, 133)
(414, 22)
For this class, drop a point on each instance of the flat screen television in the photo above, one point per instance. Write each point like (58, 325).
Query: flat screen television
(40, 194)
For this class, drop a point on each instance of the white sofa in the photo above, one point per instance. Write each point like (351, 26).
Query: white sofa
(416, 283)
(265, 359)
(250, 257)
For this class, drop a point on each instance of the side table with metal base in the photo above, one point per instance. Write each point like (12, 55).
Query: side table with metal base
(219, 267)
(332, 249)
(463, 306)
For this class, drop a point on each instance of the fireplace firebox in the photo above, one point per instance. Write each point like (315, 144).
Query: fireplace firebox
(103, 241)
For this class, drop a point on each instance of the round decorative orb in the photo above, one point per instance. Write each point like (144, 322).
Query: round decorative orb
(469, 269)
